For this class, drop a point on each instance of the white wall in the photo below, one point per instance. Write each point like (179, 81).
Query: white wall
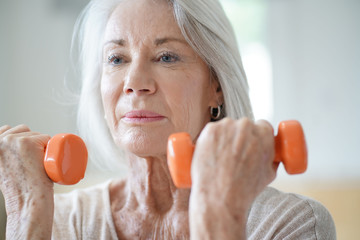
(35, 41)
(315, 50)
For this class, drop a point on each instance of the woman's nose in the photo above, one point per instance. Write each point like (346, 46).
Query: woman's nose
(139, 79)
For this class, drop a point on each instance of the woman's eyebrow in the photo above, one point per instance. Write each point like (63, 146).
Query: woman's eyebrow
(120, 42)
(157, 42)
(160, 41)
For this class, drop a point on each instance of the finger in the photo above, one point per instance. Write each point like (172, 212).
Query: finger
(243, 128)
(18, 129)
(38, 138)
(42, 139)
(265, 125)
(4, 128)
(28, 134)
(266, 134)
(265, 131)
(242, 133)
(20, 135)
(28, 138)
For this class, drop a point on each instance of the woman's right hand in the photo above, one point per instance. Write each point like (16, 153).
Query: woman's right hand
(27, 190)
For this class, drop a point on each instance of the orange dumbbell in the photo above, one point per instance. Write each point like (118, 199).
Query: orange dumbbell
(65, 159)
(290, 149)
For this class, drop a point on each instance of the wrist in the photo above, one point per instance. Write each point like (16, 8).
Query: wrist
(17, 202)
(30, 217)
(216, 220)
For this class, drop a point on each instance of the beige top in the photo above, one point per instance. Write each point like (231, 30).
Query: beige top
(86, 214)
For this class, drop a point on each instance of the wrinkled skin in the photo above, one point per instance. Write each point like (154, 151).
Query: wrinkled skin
(147, 65)
(24, 183)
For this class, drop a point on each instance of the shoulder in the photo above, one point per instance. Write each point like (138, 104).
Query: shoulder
(84, 214)
(278, 215)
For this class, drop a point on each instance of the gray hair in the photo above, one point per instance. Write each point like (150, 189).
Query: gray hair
(204, 26)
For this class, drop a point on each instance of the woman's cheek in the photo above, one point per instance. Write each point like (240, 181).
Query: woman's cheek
(182, 116)
(109, 95)
(185, 113)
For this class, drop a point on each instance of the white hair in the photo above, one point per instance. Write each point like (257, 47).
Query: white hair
(204, 26)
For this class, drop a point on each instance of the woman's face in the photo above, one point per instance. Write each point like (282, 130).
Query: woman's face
(153, 83)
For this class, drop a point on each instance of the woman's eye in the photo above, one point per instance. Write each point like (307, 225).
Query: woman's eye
(169, 58)
(115, 60)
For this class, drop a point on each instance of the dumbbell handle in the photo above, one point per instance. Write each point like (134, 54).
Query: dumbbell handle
(65, 159)
(290, 149)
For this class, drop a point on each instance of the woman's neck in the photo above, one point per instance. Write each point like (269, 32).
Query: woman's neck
(150, 201)
(150, 184)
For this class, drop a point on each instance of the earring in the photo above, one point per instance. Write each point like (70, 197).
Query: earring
(215, 113)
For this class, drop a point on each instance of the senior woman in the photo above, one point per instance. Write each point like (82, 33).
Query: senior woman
(151, 68)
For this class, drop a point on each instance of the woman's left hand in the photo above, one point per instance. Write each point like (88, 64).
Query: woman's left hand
(232, 164)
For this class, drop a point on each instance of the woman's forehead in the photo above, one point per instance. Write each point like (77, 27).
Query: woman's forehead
(140, 19)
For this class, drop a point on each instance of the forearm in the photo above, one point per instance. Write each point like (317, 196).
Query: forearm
(30, 218)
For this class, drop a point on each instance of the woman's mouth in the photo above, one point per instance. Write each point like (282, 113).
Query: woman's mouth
(141, 116)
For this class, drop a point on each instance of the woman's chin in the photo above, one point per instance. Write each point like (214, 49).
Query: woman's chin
(143, 143)
(146, 150)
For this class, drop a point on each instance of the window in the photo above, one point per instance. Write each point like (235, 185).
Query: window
(248, 20)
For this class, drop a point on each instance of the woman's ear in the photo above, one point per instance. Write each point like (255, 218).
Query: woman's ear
(217, 97)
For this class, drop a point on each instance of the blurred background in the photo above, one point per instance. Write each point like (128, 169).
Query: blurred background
(302, 58)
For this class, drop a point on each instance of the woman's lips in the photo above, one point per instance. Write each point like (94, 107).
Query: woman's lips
(141, 116)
